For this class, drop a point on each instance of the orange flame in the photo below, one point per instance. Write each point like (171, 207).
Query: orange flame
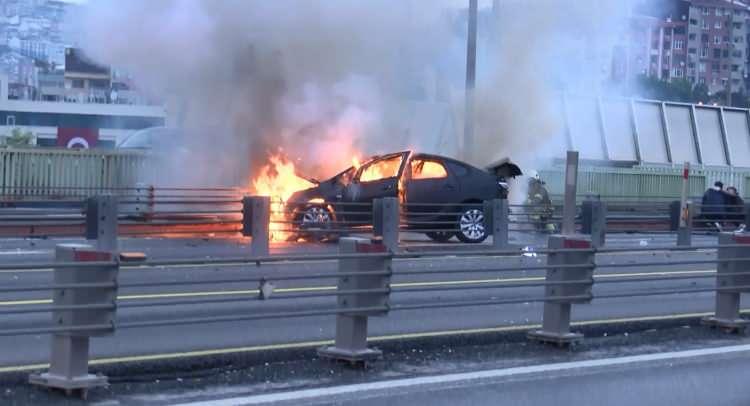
(278, 179)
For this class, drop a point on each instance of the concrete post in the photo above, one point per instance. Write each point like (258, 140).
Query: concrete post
(385, 221)
(732, 278)
(685, 231)
(351, 327)
(556, 318)
(256, 218)
(571, 186)
(101, 222)
(69, 355)
(496, 213)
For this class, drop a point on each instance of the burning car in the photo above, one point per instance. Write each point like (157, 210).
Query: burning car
(442, 195)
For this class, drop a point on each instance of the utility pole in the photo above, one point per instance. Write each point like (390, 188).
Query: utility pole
(471, 73)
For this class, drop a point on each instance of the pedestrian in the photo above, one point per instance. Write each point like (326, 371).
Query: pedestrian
(714, 204)
(735, 208)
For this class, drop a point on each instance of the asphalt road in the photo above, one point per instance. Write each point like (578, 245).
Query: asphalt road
(697, 377)
(484, 282)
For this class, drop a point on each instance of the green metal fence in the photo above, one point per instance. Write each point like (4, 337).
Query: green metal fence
(62, 172)
(644, 183)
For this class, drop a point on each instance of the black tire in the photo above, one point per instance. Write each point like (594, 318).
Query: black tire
(313, 221)
(470, 225)
(440, 236)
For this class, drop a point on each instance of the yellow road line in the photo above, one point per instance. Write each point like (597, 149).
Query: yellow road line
(330, 288)
(383, 338)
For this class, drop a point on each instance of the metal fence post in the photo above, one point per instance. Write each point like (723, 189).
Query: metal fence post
(69, 355)
(385, 221)
(101, 221)
(256, 218)
(674, 215)
(144, 198)
(594, 220)
(571, 187)
(565, 285)
(496, 217)
(371, 299)
(685, 230)
(732, 278)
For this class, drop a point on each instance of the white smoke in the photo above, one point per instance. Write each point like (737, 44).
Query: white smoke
(322, 79)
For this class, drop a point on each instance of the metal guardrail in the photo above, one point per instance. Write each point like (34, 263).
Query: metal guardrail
(85, 285)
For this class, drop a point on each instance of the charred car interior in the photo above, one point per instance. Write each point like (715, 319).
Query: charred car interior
(442, 197)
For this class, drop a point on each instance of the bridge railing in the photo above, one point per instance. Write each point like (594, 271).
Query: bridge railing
(84, 300)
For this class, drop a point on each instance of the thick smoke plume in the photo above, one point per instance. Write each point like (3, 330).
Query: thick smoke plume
(323, 79)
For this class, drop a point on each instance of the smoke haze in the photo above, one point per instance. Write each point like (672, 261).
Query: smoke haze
(323, 79)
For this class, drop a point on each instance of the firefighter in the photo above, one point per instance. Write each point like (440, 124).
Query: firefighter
(540, 205)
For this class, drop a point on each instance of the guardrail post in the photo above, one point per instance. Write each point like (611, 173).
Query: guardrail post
(675, 211)
(256, 218)
(685, 230)
(385, 221)
(594, 220)
(101, 221)
(568, 284)
(732, 278)
(496, 213)
(69, 355)
(145, 196)
(355, 308)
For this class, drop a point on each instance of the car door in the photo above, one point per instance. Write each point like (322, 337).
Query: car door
(375, 179)
(430, 189)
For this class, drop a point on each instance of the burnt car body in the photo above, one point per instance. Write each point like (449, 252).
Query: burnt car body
(441, 195)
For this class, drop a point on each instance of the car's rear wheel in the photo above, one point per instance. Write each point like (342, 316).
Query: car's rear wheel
(440, 236)
(471, 226)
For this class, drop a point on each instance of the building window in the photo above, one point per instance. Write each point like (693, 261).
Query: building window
(702, 80)
(693, 21)
(692, 51)
(704, 24)
(10, 121)
(692, 37)
(717, 53)
(678, 44)
(704, 52)
(715, 67)
(77, 84)
(704, 37)
(725, 53)
(726, 40)
(717, 25)
(705, 11)
(677, 72)
(737, 40)
(735, 68)
(719, 12)
(717, 40)
(702, 67)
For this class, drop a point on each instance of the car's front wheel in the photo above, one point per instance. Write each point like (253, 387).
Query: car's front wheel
(471, 226)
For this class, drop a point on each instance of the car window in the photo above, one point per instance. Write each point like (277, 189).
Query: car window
(421, 169)
(381, 169)
(458, 170)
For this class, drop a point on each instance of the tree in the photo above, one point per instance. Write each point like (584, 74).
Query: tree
(18, 138)
(677, 90)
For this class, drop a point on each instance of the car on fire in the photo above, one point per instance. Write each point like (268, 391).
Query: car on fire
(443, 196)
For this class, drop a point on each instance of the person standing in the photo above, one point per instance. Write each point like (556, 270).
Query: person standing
(735, 207)
(714, 204)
